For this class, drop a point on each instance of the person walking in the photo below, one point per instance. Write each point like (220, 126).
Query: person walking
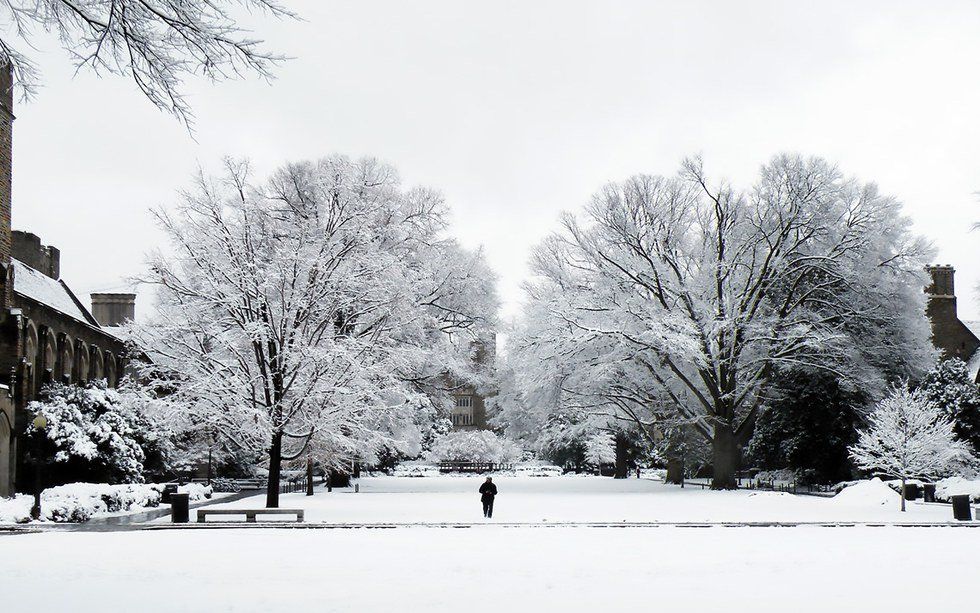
(488, 490)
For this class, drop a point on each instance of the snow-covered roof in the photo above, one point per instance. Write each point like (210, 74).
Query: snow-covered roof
(117, 332)
(973, 365)
(974, 327)
(53, 294)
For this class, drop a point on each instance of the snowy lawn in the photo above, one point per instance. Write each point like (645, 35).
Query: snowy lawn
(489, 568)
(582, 499)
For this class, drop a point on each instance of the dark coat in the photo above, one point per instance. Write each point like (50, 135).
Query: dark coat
(489, 490)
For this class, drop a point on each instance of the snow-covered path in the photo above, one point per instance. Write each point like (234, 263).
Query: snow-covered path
(577, 499)
(488, 568)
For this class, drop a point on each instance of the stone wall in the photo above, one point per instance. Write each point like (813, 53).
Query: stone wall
(27, 247)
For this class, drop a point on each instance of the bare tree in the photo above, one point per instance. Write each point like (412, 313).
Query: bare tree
(157, 43)
(698, 293)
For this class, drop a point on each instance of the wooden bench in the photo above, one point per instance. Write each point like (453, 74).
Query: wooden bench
(248, 513)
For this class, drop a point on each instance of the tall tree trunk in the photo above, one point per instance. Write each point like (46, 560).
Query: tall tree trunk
(675, 471)
(621, 467)
(903, 494)
(275, 470)
(724, 454)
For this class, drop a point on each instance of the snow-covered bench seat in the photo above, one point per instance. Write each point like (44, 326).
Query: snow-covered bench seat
(248, 513)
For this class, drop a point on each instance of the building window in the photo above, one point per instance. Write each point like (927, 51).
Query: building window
(464, 402)
(462, 419)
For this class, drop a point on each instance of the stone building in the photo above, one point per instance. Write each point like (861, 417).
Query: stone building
(951, 336)
(46, 333)
(470, 411)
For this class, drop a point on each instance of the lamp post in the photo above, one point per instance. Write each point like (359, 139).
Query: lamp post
(39, 423)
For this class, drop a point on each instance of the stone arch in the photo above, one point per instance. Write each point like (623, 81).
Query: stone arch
(81, 362)
(111, 374)
(6, 441)
(30, 355)
(66, 361)
(49, 357)
(97, 368)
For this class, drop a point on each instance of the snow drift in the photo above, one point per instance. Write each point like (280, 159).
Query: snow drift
(869, 493)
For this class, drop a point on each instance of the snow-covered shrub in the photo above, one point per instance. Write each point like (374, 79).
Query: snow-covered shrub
(95, 433)
(953, 486)
(784, 475)
(475, 446)
(871, 493)
(225, 485)
(79, 502)
(197, 491)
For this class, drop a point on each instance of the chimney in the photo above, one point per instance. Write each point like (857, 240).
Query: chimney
(942, 281)
(113, 309)
(6, 157)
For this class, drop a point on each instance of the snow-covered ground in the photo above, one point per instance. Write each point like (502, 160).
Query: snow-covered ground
(489, 568)
(586, 499)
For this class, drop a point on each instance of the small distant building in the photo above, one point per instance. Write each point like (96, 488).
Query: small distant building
(469, 411)
(951, 336)
(46, 333)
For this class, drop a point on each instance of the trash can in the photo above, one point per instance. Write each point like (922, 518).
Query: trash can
(180, 508)
(911, 491)
(928, 492)
(961, 507)
(168, 490)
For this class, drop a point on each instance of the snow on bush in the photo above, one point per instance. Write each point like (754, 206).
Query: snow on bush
(477, 446)
(222, 484)
(784, 475)
(416, 469)
(873, 492)
(197, 491)
(656, 474)
(953, 486)
(79, 502)
(95, 432)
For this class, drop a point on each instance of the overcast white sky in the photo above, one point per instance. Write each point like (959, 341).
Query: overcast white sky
(518, 110)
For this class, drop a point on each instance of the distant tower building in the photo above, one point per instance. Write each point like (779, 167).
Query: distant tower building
(469, 410)
(952, 337)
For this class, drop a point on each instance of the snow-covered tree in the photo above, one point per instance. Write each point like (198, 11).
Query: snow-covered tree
(98, 434)
(156, 43)
(950, 386)
(679, 298)
(908, 437)
(474, 446)
(317, 313)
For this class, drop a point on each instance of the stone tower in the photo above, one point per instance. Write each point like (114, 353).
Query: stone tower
(950, 335)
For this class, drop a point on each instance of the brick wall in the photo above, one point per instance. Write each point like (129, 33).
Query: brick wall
(6, 155)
